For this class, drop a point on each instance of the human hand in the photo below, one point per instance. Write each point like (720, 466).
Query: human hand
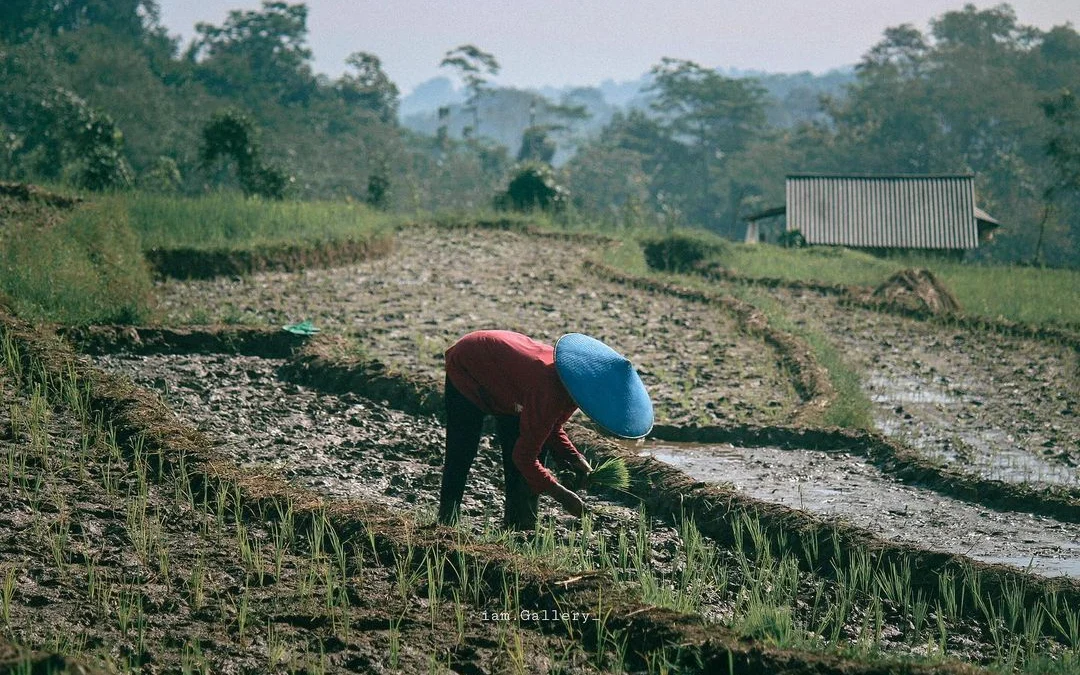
(583, 469)
(569, 500)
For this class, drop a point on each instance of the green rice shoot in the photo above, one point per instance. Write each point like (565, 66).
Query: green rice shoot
(612, 473)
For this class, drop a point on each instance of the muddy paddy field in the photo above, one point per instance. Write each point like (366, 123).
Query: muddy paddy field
(225, 500)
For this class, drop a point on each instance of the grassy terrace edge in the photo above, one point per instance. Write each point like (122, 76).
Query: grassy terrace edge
(141, 420)
(860, 296)
(321, 363)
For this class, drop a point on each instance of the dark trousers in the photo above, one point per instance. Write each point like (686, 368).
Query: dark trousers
(464, 425)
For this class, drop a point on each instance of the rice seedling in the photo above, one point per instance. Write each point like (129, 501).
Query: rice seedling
(284, 523)
(611, 473)
(7, 592)
(221, 497)
(459, 617)
(406, 576)
(92, 582)
(435, 569)
(197, 583)
(1066, 622)
(920, 609)
(192, 660)
(128, 605)
(277, 651)
(516, 650)
(395, 641)
(242, 611)
(58, 541)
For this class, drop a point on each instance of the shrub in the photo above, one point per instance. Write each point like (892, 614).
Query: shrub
(378, 190)
(533, 186)
(680, 251)
(163, 177)
(791, 239)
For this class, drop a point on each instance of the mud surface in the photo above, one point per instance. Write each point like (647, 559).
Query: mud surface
(847, 488)
(351, 447)
(1002, 407)
(344, 446)
(437, 285)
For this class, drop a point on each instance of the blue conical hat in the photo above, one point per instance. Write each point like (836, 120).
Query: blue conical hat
(604, 384)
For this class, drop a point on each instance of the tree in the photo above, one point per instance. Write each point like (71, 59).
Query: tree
(132, 19)
(370, 87)
(609, 183)
(714, 116)
(901, 54)
(717, 114)
(536, 142)
(536, 146)
(473, 65)
(1063, 151)
(230, 134)
(262, 55)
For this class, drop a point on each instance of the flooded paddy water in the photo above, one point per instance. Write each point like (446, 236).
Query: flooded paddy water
(1002, 408)
(847, 488)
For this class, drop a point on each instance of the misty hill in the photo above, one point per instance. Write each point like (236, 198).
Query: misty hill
(505, 113)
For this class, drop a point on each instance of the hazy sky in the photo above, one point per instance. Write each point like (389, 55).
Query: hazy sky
(560, 42)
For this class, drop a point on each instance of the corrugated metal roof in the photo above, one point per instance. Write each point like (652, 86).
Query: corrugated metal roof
(897, 211)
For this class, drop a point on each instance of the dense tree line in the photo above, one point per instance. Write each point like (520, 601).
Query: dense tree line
(96, 93)
(979, 94)
(152, 106)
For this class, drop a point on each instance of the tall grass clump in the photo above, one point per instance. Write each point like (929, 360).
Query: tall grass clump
(84, 267)
(232, 221)
(681, 250)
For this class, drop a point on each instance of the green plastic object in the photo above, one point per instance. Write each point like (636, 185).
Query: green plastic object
(302, 328)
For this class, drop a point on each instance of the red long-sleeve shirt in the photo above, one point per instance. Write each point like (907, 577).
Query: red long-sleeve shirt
(507, 373)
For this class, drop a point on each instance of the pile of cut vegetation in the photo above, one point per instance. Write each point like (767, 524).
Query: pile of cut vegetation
(919, 290)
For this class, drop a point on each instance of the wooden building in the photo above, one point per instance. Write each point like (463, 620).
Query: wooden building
(882, 213)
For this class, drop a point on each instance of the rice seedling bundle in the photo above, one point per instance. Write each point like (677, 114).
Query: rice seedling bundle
(612, 473)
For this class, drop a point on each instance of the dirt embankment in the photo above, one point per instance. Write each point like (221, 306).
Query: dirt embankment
(195, 263)
(338, 444)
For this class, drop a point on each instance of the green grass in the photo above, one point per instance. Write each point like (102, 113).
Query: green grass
(86, 265)
(226, 220)
(826, 265)
(1025, 294)
(1037, 296)
(851, 408)
(81, 267)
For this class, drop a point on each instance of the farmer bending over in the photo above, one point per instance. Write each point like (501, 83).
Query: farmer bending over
(532, 390)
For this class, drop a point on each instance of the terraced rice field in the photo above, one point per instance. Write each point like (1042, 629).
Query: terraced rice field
(296, 534)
